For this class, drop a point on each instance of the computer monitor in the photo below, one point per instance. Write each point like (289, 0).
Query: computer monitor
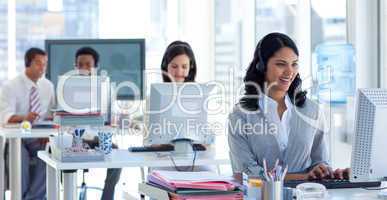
(81, 94)
(178, 111)
(123, 59)
(369, 161)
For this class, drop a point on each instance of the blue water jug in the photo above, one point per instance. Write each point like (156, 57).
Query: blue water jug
(336, 72)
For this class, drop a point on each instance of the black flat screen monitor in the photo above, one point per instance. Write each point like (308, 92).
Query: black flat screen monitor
(123, 59)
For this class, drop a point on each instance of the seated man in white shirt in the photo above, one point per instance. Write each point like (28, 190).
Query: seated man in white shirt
(29, 96)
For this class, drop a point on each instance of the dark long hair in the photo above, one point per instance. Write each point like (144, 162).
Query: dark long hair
(255, 75)
(174, 49)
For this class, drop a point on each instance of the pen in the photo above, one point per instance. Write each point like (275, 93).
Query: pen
(276, 163)
(284, 173)
(278, 172)
(265, 172)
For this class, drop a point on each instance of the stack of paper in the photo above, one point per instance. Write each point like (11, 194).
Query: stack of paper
(194, 185)
(75, 119)
(237, 196)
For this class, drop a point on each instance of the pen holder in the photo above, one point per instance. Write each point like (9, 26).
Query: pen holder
(272, 190)
(105, 142)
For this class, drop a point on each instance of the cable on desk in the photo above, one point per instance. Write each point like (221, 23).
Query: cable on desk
(185, 169)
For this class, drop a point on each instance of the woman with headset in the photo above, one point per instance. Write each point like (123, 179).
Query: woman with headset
(274, 120)
(178, 63)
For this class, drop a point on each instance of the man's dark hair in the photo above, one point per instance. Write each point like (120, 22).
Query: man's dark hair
(174, 49)
(88, 51)
(30, 55)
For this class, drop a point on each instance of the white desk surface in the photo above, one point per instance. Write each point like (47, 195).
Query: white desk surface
(123, 158)
(15, 135)
(35, 133)
(353, 194)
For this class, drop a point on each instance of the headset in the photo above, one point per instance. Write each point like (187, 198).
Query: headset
(164, 63)
(260, 66)
(96, 59)
(89, 51)
(27, 61)
(30, 55)
(174, 45)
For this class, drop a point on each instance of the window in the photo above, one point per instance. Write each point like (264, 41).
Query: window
(383, 46)
(229, 67)
(275, 16)
(3, 40)
(40, 20)
(329, 25)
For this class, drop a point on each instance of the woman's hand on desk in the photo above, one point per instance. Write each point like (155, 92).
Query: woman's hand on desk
(342, 173)
(291, 176)
(323, 171)
(320, 171)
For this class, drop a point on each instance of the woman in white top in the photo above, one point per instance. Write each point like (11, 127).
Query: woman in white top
(275, 120)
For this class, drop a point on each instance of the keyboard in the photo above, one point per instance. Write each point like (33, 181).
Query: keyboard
(335, 183)
(152, 148)
(163, 148)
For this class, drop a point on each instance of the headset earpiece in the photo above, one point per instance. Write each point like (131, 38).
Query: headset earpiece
(27, 62)
(260, 65)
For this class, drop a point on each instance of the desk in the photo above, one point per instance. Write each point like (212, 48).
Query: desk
(339, 194)
(353, 194)
(333, 194)
(15, 135)
(119, 159)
